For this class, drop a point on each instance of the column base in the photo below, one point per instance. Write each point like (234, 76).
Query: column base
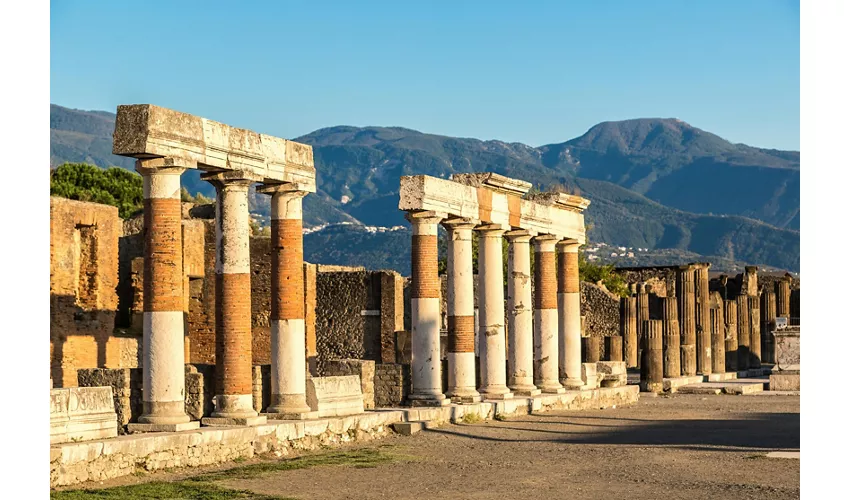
(496, 393)
(229, 421)
(234, 406)
(574, 384)
(183, 426)
(288, 404)
(525, 390)
(305, 415)
(550, 387)
(429, 400)
(464, 396)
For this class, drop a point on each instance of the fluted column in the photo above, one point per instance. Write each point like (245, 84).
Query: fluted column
(569, 315)
(671, 337)
(642, 309)
(718, 336)
(288, 332)
(703, 320)
(491, 302)
(731, 334)
(755, 331)
(687, 318)
(652, 368)
(425, 311)
(783, 298)
(546, 316)
(768, 321)
(163, 386)
(744, 328)
(628, 329)
(520, 322)
(461, 312)
(234, 402)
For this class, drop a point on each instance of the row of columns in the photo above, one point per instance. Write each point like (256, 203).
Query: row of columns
(544, 328)
(163, 330)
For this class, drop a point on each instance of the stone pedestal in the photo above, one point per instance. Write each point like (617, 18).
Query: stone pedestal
(628, 329)
(687, 318)
(546, 316)
(82, 414)
(520, 323)
(491, 302)
(425, 312)
(569, 315)
(163, 329)
(461, 312)
(652, 368)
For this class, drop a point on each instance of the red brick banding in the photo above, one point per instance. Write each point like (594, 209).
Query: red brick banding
(461, 333)
(568, 273)
(545, 281)
(233, 333)
(425, 279)
(163, 265)
(287, 277)
(485, 204)
(514, 210)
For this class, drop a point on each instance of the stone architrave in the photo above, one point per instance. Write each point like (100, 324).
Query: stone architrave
(163, 372)
(519, 310)
(730, 317)
(425, 311)
(703, 319)
(628, 329)
(671, 337)
(652, 366)
(546, 316)
(461, 312)
(569, 315)
(288, 328)
(687, 318)
(234, 401)
(491, 316)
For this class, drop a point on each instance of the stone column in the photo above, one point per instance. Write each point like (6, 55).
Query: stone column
(234, 403)
(652, 369)
(569, 315)
(687, 317)
(703, 318)
(460, 305)
(288, 331)
(718, 337)
(743, 332)
(163, 366)
(755, 332)
(614, 348)
(730, 317)
(491, 315)
(642, 309)
(768, 322)
(628, 329)
(425, 312)
(520, 322)
(546, 316)
(590, 349)
(783, 298)
(671, 337)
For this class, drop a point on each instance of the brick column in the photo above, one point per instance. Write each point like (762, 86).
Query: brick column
(755, 331)
(687, 318)
(425, 312)
(730, 318)
(163, 363)
(520, 323)
(743, 332)
(461, 312)
(569, 315)
(652, 369)
(671, 337)
(233, 401)
(491, 315)
(703, 320)
(628, 329)
(546, 316)
(288, 332)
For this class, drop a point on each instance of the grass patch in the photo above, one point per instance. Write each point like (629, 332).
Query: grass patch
(471, 418)
(183, 490)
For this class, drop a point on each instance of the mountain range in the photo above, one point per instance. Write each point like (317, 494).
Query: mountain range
(656, 183)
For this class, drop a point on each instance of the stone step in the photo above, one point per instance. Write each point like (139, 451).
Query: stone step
(408, 428)
(729, 387)
(697, 389)
(721, 377)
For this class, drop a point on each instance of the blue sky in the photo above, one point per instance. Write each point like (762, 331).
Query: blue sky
(532, 72)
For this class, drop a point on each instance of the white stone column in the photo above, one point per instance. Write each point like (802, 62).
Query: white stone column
(461, 312)
(425, 312)
(491, 301)
(163, 363)
(520, 322)
(288, 333)
(546, 315)
(569, 315)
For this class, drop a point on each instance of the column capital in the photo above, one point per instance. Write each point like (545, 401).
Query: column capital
(519, 235)
(568, 246)
(455, 223)
(289, 189)
(231, 179)
(425, 217)
(168, 166)
(492, 230)
(544, 242)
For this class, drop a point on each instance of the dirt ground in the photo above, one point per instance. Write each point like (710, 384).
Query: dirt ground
(683, 446)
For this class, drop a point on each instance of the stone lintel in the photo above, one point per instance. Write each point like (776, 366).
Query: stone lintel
(146, 131)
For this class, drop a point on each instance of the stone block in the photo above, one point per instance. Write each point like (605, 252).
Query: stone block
(408, 428)
(784, 381)
(238, 421)
(674, 383)
(611, 367)
(82, 414)
(721, 377)
(590, 377)
(140, 428)
(335, 396)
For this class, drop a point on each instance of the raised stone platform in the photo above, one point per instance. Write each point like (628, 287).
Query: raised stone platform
(73, 463)
(729, 387)
(82, 414)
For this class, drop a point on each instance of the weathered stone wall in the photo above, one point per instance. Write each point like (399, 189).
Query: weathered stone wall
(83, 278)
(341, 329)
(392, 384)
(601, 311)
(660, 279)
(126, 386)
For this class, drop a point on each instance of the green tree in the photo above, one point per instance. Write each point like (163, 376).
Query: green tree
(112, 186)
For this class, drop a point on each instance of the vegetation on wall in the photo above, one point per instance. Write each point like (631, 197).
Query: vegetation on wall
(112, 186)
